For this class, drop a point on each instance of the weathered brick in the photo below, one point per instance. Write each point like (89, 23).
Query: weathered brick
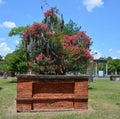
(52, 92)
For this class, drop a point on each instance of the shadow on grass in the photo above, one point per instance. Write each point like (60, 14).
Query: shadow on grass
(12, 81)
(91, 88)
(118, 104)
(1, 88)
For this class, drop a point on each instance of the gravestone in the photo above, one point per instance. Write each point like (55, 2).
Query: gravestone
(5, 75)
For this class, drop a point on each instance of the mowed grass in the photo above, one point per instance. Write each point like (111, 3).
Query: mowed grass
(104, 103)
(7, 95)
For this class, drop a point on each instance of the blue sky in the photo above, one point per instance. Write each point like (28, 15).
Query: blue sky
(99, 18)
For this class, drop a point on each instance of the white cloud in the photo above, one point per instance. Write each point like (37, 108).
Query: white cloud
(96, 54)
(110, 50)
(91, 4)
(8, 24)
(4, 49)
(114, 57)
(118, 51)
(17, 42)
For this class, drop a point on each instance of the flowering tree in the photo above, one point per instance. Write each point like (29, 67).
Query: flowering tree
(50, 51)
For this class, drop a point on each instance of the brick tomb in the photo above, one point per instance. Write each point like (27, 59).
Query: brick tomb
(51, 92)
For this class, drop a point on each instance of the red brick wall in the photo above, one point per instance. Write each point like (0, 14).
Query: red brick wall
(51, 92)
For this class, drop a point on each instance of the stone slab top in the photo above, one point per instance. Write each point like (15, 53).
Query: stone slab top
(78, 77)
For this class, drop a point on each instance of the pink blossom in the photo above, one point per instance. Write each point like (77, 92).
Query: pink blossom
(46, 67)
(74, 53)
(66, 45)
(49, 57)
(25, 35)
(40, 57)
(37, 24)
(62, 57)
(57, 66)
(79, 57)
(50, 33)
(74, 37)
(44, 27)
(31, 30)
(30, 64)
(48, 12)
(85, 37)
(87, 54)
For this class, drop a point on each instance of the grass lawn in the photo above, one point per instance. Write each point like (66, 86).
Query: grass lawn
(104, 99)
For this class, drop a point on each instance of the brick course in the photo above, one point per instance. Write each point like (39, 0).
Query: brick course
(51, 92)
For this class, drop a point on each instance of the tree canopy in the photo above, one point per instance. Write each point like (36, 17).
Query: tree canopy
(72, 28)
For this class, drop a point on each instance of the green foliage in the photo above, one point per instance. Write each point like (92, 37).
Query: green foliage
(3, 66)
(16, 61)
(114, 65)
(18, 30)
(71, 28)
(1, 58)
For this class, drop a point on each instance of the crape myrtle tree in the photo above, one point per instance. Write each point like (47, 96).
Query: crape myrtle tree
(50, 47)
(50, 50)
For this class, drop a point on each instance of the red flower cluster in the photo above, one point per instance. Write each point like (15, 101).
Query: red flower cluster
(72, 45)
(34, 30)
(75, 37)
(40, 57)
(50, 33)
(87, 54)
(70, 38)
(84, 36)
(25, 34)
(30, 64)
(48, 12)
(51, 12)
(47, 63)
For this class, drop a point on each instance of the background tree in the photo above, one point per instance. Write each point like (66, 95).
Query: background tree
(71, 28)
(111, 67)
(114, 66)
(102, 63)
(1, 58)
(16, 61)
(1, 63)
